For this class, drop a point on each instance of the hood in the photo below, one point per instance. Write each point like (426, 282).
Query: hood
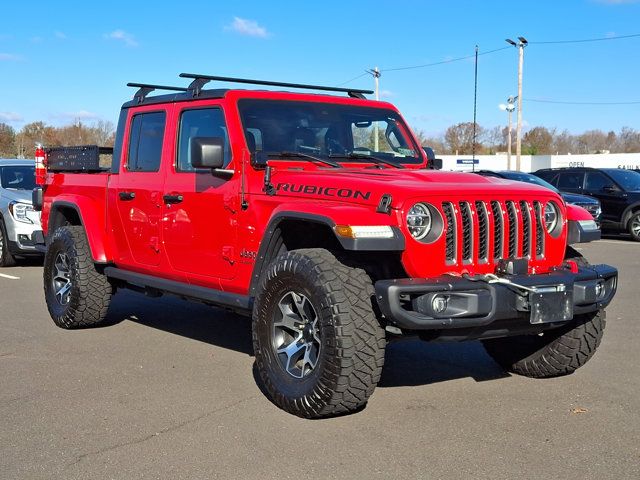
(575, 198)
(367, 185)
(23, 196)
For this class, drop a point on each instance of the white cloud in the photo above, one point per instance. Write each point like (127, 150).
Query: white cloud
(60, 35)
(79, 115)
(247, 27)
(386, 94)
(122, 36)
(11, 117)
(9, 57)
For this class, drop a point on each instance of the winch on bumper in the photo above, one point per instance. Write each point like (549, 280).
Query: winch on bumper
(452, 302)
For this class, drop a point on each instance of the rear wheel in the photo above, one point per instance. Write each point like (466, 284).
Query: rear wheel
(77, 295)
(318, 345)
(6, 258)
(634, 226)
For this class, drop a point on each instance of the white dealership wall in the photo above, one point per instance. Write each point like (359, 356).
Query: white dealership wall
(531, 163)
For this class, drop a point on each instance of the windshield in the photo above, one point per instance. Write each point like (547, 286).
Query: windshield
(627, 179)
(525, 177)
(344, 133)
(18, 177)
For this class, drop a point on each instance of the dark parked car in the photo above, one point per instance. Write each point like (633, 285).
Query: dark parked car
(618, 191)
(590, 204)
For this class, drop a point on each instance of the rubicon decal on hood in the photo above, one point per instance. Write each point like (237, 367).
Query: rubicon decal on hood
(326, 191)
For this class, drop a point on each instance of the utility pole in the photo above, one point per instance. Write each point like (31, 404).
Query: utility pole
(522, 42)
(475, 104)
(376, 75)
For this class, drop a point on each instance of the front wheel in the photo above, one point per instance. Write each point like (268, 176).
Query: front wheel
(634, 226)
(318, 345)
(6, 258)
(553, 353)
(77, 295)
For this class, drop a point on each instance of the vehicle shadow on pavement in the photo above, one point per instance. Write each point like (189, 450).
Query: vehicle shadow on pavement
(187, 319)
(408, 362)
(413, 362)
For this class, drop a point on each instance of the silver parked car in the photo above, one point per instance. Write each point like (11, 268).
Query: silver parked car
(18, 219)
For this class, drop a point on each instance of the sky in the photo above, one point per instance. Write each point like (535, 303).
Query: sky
(62, 61)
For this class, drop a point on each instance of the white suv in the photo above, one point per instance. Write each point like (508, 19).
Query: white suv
(18, 220)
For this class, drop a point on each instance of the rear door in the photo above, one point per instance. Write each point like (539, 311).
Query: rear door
(200, 209)
(138, 187)
(570, 181)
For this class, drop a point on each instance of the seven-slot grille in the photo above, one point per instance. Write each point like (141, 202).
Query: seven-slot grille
(477, 232)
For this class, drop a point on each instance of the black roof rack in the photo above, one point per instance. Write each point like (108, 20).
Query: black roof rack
(146, 88)
(200, 80)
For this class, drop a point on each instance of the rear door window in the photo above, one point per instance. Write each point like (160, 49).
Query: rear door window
(570, 181)
(145, 142)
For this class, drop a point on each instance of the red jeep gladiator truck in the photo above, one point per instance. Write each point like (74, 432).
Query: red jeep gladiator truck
(315, 214)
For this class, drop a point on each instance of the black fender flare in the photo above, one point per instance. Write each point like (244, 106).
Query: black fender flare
(394, 244)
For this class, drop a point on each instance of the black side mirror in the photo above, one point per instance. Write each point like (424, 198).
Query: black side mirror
(435, 164)
(207, 152)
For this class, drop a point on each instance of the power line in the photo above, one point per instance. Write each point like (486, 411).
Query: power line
(585, 40)
(353, 79)
(562, 102)
(451, 60)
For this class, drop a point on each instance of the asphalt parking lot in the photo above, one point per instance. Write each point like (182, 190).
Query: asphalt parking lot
(168, 391)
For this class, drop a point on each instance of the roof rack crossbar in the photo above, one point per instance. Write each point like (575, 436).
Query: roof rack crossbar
(200, 80)
(145, 89)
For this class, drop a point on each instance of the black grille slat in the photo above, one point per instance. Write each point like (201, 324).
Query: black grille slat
(539, 232)
(450, 237)
(498, 229)
(483, 232)
(467, 232)
(526, 228)
(513, 229)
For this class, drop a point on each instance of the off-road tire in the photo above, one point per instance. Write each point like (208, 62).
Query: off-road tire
(352, 343)
(555, 352)
(632, 226)
(6, 258)
(90, 292)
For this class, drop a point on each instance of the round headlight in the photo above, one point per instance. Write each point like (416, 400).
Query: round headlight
(419, 221)
(551, 216)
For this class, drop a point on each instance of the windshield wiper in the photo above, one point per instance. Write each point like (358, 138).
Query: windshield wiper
(366, 156)
(306, 156)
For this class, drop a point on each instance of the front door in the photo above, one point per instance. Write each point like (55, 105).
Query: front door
(138, 190)
(199, 225)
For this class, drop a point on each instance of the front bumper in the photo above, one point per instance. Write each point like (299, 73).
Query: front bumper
(411, 304)
(20, 236)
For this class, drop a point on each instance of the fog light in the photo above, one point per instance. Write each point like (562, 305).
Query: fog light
(439, 303)
(600, 291)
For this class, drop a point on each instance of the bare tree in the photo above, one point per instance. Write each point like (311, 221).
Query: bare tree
(7, 141)
(459, 138)
(629, 140)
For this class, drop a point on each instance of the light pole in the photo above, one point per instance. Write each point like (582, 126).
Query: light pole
(376, 75)
(522, 42)
(509, 107)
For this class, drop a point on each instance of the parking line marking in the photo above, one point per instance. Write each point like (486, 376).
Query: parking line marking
(10, 277)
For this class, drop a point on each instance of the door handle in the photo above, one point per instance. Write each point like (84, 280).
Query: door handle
(173, 198)
(127, 195)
